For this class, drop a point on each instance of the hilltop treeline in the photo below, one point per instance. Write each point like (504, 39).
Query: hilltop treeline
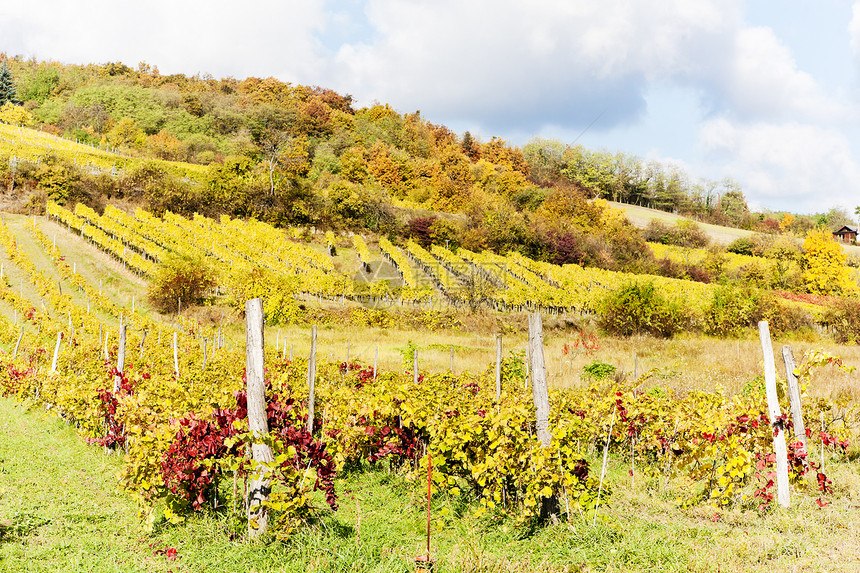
(306, 155)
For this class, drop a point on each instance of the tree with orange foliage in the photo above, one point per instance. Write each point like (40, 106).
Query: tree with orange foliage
(498, 152)
(165, 146)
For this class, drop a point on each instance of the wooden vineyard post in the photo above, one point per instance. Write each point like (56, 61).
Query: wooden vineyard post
(258, 494)
(783, 495)
(415, 366)
(528, 365)
(175, 354)
(603, 466)
(498, 367)
(18, 344)
(794, 395)
(120, 360)
(142, 342)
(452, 359)
(56, 352)
(635, 366)
(540, 395)
(312, 379)
(375, 361)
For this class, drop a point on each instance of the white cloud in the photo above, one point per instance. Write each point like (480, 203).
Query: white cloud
(789, 166)
(255, 37)
(506, 63)
(854, 30)
(763, 81)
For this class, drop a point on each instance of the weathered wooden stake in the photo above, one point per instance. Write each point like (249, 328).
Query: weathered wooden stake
(312, 379)
(56, 352)
(782, 492)
(258, 494)
(540, 392)
(794, 396)
(176, 354)
(143, 341)
(375, 361)
(18, 344)
(120, 359)
(528, 365)
(415, 366)
(498, 367)
(107, 355)
(204, 354)
(603, 467)
(452, 359)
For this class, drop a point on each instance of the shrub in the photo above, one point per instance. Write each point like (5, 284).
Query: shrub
(843, 320)
(741, 246)
(179, 277)
(639, 309)
(683, 234)
(598, 370)
(732, 309)
(419, 229)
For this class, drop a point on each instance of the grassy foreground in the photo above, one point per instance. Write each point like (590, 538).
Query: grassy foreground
(60, 511)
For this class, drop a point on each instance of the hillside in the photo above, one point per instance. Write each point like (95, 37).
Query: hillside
(718, 234)
(306, 155)
(641, 216)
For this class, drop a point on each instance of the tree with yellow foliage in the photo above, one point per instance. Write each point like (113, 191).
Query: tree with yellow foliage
(15, 115)
(824, 265)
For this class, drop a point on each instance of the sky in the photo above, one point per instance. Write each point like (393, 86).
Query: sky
(764, 92)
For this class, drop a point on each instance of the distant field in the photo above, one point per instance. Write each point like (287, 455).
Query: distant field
(641, 216)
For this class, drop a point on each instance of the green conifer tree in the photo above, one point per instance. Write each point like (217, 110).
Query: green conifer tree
(8, 92)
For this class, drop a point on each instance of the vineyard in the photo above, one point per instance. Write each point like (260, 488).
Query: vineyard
(21, 144)
(169, 393)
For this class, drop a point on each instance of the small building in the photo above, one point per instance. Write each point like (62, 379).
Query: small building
(846, 234)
